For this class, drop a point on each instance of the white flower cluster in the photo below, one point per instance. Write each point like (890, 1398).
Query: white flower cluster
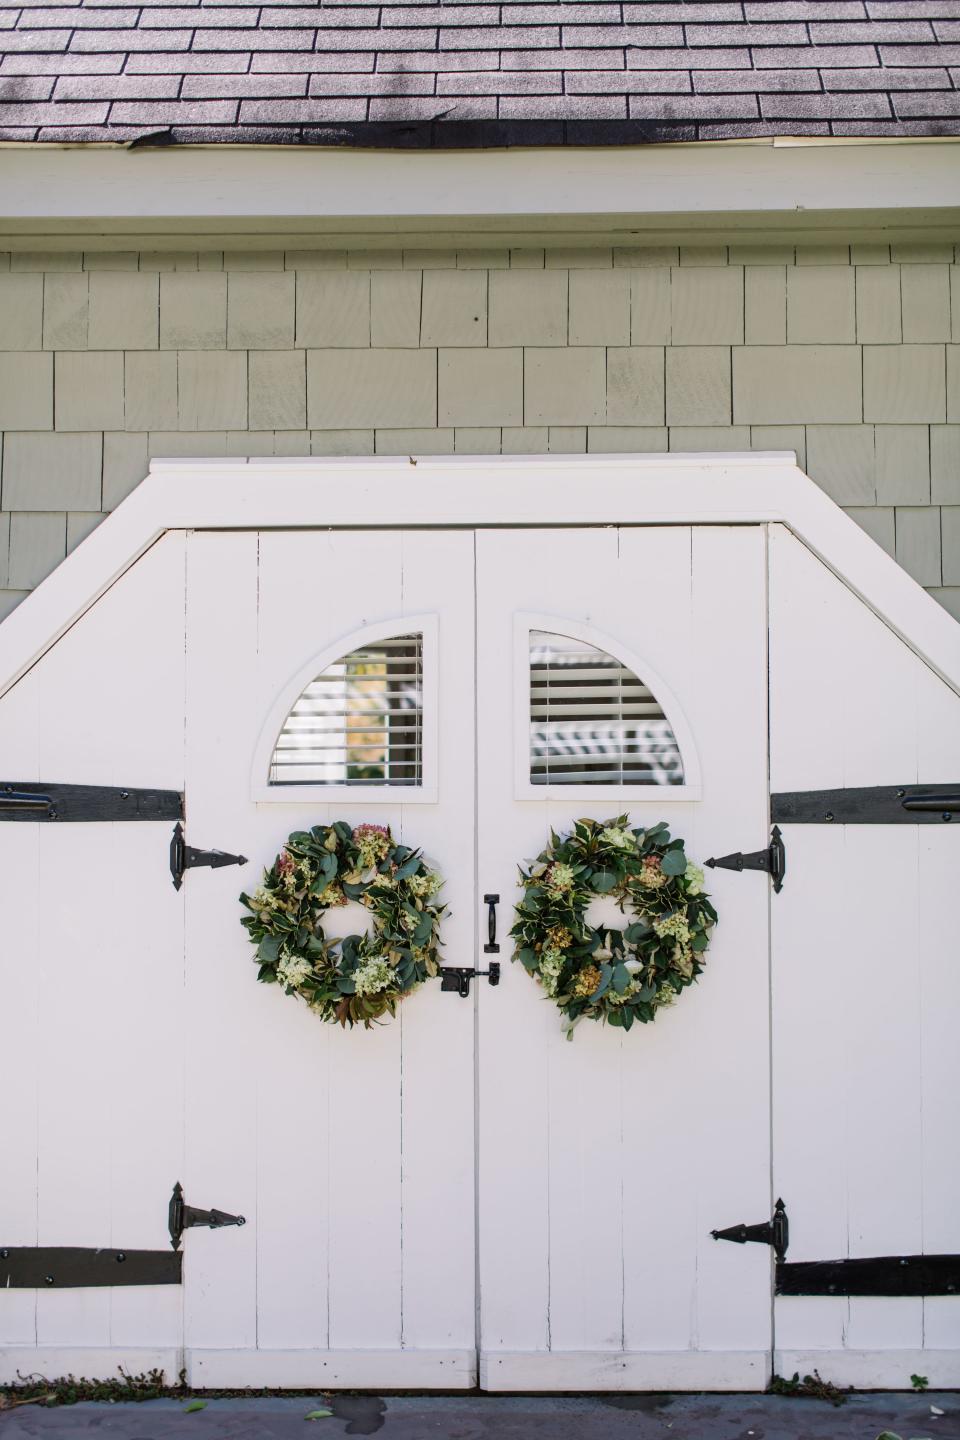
(675, 925)
(694, 879)
(425, 885)
(619, 839)
(293, 970)
(551, 963)
(372, 976)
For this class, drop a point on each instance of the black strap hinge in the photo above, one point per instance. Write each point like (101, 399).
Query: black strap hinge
(185, 1217)
(457, 978)
(187, 857)
(775, 1232)
(26, 800)
(773, 860)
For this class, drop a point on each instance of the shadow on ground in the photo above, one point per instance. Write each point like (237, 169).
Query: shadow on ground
(500, 1417)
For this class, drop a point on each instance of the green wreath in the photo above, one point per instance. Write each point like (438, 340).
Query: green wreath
(360, 978)
(619, 976)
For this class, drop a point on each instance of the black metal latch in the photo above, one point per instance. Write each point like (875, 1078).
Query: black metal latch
(458, 978)
(184, 1217)
(773, 860)
(186, 857)
(775, 1232)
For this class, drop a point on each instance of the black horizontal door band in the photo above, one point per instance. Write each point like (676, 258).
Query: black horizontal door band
(26, 800)
(872, 805)
(29, 1267)
(884, 1275)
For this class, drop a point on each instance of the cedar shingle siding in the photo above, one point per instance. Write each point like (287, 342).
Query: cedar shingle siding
(452, 74)
(849, 355)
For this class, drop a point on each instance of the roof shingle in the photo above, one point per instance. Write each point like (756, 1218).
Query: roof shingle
(447, 73)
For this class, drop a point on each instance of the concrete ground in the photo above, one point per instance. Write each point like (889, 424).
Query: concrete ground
(497, 1417)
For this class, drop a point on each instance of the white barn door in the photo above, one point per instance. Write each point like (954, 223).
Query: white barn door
(866, 985)
(349, 1153)
(604, 1163)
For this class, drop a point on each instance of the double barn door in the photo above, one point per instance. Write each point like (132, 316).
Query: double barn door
(463, 1182)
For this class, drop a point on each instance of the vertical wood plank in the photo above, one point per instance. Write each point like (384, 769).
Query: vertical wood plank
(437, 1028)
(223, 1023)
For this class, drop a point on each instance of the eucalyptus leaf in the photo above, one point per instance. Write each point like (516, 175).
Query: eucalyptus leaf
(674, 862)
(621, 979)
(269, 948)
(606, 975)
(603, 881)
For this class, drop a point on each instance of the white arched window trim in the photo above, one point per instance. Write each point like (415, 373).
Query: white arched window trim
(524, 789)
(424, 793)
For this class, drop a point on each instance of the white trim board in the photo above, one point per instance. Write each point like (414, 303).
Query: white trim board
(613, 1370)
(727, 489)
(641, 189)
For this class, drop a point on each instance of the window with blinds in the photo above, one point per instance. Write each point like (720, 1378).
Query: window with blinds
(593, 721)
(360, 722)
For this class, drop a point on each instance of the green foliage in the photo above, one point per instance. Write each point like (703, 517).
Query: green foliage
(194, 1406)
(811, 1387)
(361, 978)
(919, 1382)
(622, 976)
(70, 1390)
(318, 1415)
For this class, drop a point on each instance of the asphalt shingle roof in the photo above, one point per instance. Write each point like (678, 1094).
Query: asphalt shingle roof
(469, 74)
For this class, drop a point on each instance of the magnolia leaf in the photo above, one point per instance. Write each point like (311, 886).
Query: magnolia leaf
(194, 1406)
(699, 942)
(318, 1415)
(674, 862)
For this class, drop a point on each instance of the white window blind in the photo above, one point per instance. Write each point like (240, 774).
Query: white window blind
(593, 721)
(360, 722)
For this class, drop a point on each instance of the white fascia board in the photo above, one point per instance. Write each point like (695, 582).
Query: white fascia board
(728, 489)
(334, 188)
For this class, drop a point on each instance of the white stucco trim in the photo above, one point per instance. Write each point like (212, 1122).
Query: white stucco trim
(99, 190)
(727, 489)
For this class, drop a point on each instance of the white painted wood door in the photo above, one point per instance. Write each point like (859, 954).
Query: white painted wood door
(350, 1153)
(866, 986)
(605, 1162)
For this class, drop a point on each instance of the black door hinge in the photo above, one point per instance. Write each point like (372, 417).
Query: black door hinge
(773, 860)
(184, 1217)
(775, 1232)
(186, 857)
(458, 979)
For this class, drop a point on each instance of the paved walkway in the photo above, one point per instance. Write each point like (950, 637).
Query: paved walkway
(494, 1417)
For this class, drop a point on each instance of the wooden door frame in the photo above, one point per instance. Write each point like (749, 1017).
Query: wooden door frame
(728, 489)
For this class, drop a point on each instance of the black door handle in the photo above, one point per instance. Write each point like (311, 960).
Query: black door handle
(491, 902)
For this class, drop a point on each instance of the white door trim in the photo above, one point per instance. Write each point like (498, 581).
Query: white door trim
(729, 489)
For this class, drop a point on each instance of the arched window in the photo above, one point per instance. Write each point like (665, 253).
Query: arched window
(359, 721)
(592, 721)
